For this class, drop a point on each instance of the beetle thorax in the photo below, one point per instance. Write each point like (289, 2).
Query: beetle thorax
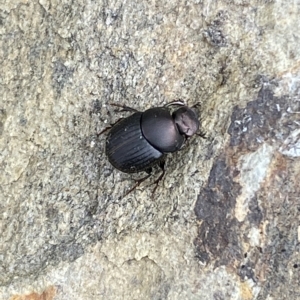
(160, 130)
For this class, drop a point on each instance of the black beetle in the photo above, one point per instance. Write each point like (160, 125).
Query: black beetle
(138, 142)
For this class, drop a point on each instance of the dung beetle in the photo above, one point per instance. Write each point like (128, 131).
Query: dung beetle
(142, 140)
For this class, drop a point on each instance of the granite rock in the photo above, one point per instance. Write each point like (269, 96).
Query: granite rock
(224, 222)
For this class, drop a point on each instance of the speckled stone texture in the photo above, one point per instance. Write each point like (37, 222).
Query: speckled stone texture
(223, 224)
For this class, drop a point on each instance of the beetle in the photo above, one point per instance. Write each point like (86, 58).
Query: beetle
(142, 140)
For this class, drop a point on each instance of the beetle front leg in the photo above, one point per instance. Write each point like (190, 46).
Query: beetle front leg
(124, 107)
(202, 134)
(175, 102)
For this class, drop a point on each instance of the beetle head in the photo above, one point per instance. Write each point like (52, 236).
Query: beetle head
(186, 120)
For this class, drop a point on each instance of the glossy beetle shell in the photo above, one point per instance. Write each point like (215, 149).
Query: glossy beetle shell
(126, 147)
(139, 141)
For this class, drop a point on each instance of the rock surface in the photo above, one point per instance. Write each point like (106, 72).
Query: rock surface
(224, 222)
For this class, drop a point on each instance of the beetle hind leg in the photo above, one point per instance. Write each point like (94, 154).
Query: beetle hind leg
(137, 183)
(156, 182)
(149, 173)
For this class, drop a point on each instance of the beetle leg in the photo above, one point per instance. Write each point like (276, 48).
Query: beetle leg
(109, 127)
(202, 134)
(138, 182)
(104, 130)
(198, 104)
(156, 182)
(175, 102)
(181, 103)
(124, 107)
